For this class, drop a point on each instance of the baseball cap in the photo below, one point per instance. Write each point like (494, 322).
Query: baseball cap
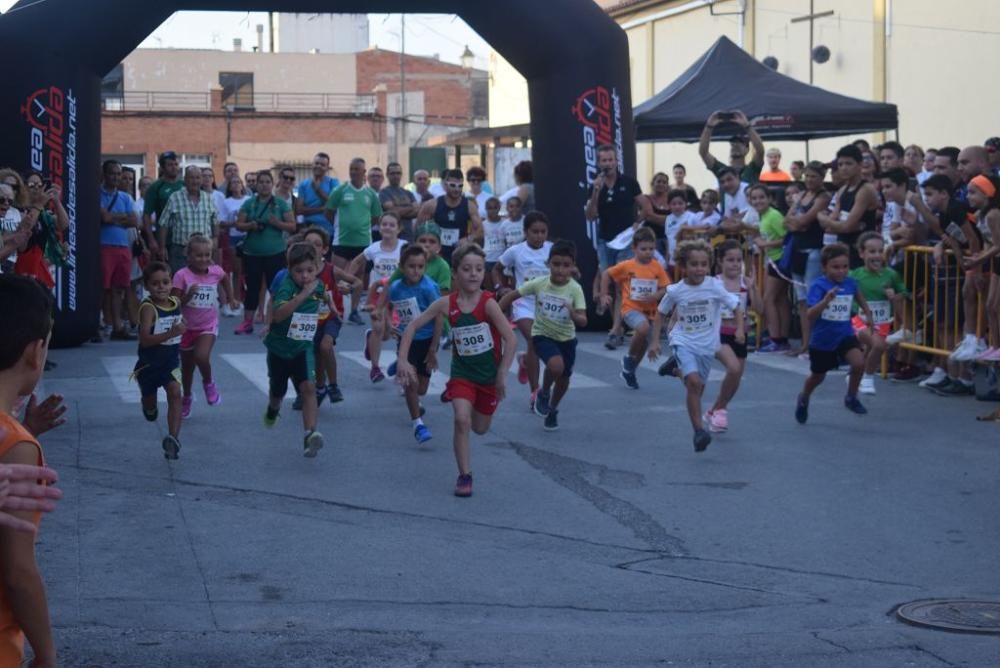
(992, 143)
(167, 155)
(429, 228)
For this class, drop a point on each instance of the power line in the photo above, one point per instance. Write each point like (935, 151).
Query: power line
(894, 24)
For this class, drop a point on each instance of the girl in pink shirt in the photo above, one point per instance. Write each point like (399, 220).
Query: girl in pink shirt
(197, 286)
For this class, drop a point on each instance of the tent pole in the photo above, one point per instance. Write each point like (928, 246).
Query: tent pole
(807, 152)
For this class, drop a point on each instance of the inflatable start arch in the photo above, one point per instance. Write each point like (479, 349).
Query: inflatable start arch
(574, 57)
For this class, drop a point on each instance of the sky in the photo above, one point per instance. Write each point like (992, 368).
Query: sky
(426, 34)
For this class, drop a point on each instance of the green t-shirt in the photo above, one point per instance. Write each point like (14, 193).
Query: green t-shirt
(267, 239)
(293, 335)
(437, 270)
(772, 228)
(872, 287)
(158, 193)
(749, 174)
(554, 304)
(355, 208)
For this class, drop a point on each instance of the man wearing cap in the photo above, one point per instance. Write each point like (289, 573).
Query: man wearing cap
(992, 146)
(739, 146)
(156, 199)
(189, 211)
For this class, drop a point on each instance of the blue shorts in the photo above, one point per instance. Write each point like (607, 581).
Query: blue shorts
(329, 327)
(609, 257)
(691, 362)
(152, 377)
(547, 348)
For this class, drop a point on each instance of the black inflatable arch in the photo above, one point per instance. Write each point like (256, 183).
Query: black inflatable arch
(574, 57)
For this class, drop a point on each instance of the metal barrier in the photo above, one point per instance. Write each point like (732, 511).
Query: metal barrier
(935, 308)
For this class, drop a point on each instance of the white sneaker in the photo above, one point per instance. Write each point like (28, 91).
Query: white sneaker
(899, 336)
(966, 351)
(867, 384)
(936, 377)
(225, 311)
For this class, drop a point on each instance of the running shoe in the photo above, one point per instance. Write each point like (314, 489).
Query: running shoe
(772, 347)
(669, 368)
(421, 433)
(391, 371)
(852, 404)
(312, 443)
(212, 395)
(531, 401)
(463, 486)
(368, 356)
(226, 312)
(171, 447)
(376, 375)
(966, 351)
(151, 415)
(905, 374)
(270, 417)
(701, 440)
(186, 406)
(987, 355)
(334, 394)
(245, 327)
(522, 369)
(867, 384)
(954, 388)
(899, 336)
(614, 342)
(628, 372)
(995, 357)
(542, 407)
(716, 421)
(551, 421)
(938, 378)
(801, 410)
(297, 404)
(355, 318)
(321, 393)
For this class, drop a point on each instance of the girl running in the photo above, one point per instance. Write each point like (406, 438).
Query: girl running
(197, 286)
(478, 367)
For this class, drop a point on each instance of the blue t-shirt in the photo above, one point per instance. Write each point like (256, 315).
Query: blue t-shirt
(834, 324)
(311, 200)
(410, 301)
(116, 202)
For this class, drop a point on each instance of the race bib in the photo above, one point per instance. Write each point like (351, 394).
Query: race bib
(449, 236)
(473, 339)
(407, 309)
(694, 319)
(728, 314)
(386, 267)
(642, 289)
(303, 326)
(533, 272)
(838, 310)
(163, 325)
(881, 312)
(494, 244)
(829, 238)
(513, 237)
(552, 307)
(206, 296)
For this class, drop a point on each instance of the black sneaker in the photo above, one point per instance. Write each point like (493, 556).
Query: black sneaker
(954, 388)
(628, 372)
(801, 410)
(944, 382)
(151, 415)
(701, 440)
(669, 368)
(171, 447)
(551, 421)
(614, 341)
(542, 404)
(333, 394)
(852, 404)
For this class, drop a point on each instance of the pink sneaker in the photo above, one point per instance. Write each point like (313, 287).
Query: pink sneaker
(522, 369)
(245, 327)
(186, 406)
(720, 420)
(995, 357)
(212, 395)
(376, 375)
(987, 355)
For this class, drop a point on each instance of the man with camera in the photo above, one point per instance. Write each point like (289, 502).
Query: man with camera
(739, 146)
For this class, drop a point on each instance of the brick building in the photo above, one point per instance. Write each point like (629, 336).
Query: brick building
(265, 109)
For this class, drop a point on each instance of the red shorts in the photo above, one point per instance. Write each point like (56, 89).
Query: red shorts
(116, 266)
(482, 397)
(191, 336)
(882, 330)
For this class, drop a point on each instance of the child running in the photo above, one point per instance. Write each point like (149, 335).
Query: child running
(732, 335)
(410, 296)
(698, 300)
(527, 260)
(197, 286)
(290, 336)
(484, 347)
(642, 283)
(882, 287)
(560, 308)
(160, 329)
(830, 299)
(493, 235)
(384, 257)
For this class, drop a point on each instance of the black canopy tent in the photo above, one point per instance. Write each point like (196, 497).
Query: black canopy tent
(781, 108)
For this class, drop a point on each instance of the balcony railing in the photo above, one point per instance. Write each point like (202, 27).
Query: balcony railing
(338, 103)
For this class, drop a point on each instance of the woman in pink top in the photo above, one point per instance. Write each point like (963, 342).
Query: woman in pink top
(197, 286)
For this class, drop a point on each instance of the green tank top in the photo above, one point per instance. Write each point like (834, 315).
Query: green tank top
(475, 342)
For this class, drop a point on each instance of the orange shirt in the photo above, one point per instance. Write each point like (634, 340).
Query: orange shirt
(639, 280)
(766, 175)
(11, 636)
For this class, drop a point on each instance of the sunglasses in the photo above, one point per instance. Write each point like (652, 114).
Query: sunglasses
(454, 185)
(288, 178)
(394, 173)
(6, 201)
(35, 186)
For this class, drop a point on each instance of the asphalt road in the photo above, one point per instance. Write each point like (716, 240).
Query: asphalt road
(608, 542)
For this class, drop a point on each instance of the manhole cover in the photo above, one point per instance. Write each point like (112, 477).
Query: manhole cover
(953, 615)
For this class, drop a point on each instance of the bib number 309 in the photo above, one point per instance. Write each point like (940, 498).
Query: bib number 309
(303, 326)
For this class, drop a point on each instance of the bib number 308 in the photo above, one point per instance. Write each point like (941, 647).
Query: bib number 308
(473, 339)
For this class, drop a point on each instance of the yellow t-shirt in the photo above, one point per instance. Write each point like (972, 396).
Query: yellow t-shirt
(639, 284)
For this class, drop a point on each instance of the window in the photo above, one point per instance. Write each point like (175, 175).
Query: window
(196, 159)
(113, 90)
(237, 89)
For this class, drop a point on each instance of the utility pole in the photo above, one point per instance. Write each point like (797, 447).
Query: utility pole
(401, 135)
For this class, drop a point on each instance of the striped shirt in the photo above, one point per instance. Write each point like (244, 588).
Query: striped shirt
(182, 218)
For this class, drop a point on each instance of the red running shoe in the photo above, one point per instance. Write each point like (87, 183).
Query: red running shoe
(463, 486)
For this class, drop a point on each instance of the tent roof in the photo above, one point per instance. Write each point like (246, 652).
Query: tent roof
(779, 107)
